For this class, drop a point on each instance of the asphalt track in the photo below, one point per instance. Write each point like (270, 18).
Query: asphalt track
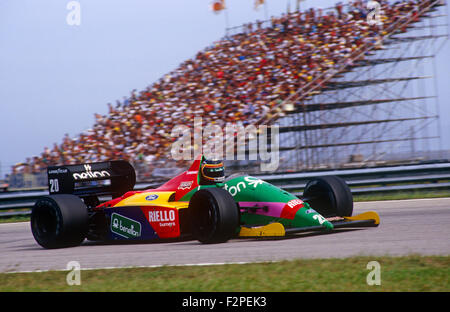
(419, 226)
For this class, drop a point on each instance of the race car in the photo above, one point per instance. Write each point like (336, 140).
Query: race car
(199, 203)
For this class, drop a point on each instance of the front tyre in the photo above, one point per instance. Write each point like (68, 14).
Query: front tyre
(330, 196)
(214, 215)
(59, 221)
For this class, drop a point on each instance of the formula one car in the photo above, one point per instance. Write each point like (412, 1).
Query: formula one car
(199, 202)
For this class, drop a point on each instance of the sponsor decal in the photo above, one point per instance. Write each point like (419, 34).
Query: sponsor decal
(167, 216)
(294, 202)
(252, 182)
(151, 197)
(58, 171)
(124, 226)
(164, 221)
(89, 174)
(291, 208)
(185, 185)
(192, 172)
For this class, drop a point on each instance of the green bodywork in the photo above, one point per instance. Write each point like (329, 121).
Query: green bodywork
(262, 203)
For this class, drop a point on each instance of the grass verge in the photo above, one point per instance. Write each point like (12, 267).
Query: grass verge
(411, 273)
(15, 219)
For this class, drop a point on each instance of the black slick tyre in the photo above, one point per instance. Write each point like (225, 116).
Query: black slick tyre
(330, 196)
(59, 221)
(214, 215)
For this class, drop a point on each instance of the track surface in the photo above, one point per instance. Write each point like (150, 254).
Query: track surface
(407, 227)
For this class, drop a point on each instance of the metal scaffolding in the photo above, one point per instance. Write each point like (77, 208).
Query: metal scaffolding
(381, 109)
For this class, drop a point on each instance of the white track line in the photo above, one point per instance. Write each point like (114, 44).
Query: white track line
(143, 266)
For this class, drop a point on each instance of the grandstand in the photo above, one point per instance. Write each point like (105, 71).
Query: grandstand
(382, 102)
(343, 92)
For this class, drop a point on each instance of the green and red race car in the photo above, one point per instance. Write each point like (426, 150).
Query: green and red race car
(200, 203)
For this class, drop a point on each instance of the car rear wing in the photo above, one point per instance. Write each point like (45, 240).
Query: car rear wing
(100, 178)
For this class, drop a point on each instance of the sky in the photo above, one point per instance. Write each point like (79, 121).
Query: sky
(54, 76)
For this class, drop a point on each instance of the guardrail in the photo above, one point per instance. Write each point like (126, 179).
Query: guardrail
(361, 181)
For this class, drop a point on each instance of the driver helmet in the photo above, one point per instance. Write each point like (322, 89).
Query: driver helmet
(212, 171)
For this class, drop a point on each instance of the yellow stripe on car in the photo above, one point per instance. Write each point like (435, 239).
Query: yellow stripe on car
(160, 199)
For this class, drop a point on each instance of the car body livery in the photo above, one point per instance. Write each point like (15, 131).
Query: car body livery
(240, 206)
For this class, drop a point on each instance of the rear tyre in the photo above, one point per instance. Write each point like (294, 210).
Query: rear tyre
(59, 221)
(330, 196)
(214, 215)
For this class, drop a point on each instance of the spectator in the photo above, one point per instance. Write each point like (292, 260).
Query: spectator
(237, 79)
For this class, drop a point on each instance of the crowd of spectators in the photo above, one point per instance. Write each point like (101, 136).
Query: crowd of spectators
(238, 79)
